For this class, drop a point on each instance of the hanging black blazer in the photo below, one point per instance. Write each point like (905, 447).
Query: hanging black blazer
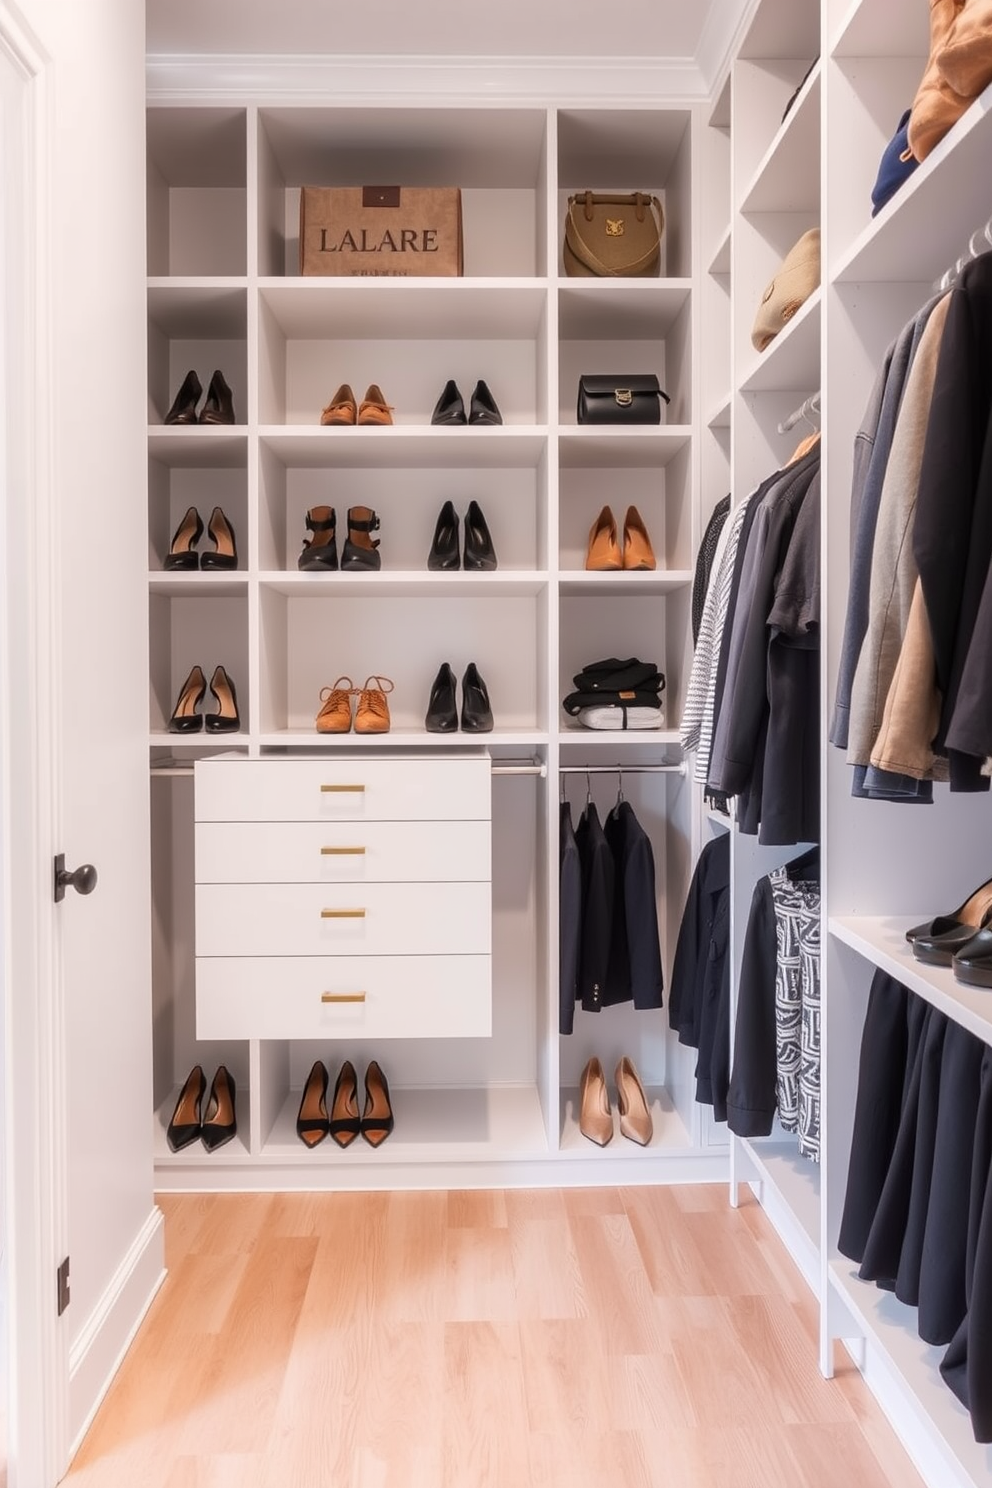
(597, 908)
(569, 919)
(635, 963)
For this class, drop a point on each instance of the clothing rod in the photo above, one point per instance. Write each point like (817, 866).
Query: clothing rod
(808, 406)
(678, 769)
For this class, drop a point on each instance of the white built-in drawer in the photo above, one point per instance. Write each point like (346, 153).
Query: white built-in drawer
(343, 790)
(373, 919)
(343, 852)
(302, 997)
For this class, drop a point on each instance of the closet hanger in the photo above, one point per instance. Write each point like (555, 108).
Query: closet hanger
(619, 784)
(588, 789)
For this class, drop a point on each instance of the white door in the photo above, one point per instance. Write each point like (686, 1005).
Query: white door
(75, 717)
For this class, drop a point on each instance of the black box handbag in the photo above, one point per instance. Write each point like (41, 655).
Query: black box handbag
(608, 399)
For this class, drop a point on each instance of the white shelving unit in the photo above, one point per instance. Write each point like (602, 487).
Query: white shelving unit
(224, 292)
(883, 868)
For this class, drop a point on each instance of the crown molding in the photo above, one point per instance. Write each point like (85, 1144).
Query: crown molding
(720, 39)
(374, 81)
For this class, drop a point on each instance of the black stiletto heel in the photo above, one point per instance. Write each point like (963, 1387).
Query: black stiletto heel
(221, 534)
(185, 1125)
(219, 405)
(220, 1122)
(182, 552)
(227, 720)
(480, 554)
(311, 1121)
(345, 1123)
(183, 410)
(185, 719)
(377, 1118)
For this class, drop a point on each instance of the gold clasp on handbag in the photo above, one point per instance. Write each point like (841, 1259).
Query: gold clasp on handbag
(614, 227)
(624, 397)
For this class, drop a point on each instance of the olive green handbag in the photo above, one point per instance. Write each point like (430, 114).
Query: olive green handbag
(613, 236)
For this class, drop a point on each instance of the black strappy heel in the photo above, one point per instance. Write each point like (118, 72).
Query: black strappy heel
(320, 550)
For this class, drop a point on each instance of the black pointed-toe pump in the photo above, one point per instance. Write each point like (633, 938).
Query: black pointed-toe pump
(220, 1122)
(218, 407)
(185, 718)
(444, 555)
(182, 552)
(442, 712)
(183, 410)
(450, 407)
(185, 1125)
(226, 720)
(224, 554)
(480, 555)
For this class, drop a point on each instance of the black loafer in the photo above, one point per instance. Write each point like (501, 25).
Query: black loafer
(449, 408)
(442, 714)
(483, 408)
(479, 551)
(477, 716)
(444, 555)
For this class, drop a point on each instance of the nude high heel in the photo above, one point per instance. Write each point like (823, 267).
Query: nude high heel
(595, 1116)
(635, 1118)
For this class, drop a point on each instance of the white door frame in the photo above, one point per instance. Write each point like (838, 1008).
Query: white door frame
(30, 731)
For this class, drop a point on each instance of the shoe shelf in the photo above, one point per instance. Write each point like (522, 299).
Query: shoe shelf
(669, 1134)
(659, 582)
(621, 309)
(197, 199)
(504, 583)
(938, 1434)
(494, 1123)
(619, 739)
(917, 235)
(198, 585)
(405, 446)
(787, 178)
(235, 1151)
(792, 361)
(401, 738)
(404, 309)
(588, 447)
(881, 940)
(210, 447)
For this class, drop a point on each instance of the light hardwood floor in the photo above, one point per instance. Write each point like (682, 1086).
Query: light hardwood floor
(633, 1337)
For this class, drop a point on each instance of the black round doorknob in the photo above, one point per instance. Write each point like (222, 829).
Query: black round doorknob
(82, 879)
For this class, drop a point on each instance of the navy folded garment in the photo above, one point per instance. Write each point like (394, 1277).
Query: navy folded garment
(896, 166)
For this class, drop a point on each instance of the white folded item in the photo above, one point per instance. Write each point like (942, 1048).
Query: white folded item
(613, 718)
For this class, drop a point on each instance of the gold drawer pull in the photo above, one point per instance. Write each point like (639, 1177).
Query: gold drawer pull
(339, 852)
(342, 996)
(342, 914)
(331, 789)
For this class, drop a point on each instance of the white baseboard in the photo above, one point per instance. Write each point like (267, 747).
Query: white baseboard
(109, 1331)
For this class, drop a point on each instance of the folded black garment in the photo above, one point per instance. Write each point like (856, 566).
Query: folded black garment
(615, 683)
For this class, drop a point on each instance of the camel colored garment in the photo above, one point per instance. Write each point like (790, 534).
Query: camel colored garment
(893, 569)
(912, 708)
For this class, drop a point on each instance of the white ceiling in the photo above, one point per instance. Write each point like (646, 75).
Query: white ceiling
(657, 48)
(506, 28)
